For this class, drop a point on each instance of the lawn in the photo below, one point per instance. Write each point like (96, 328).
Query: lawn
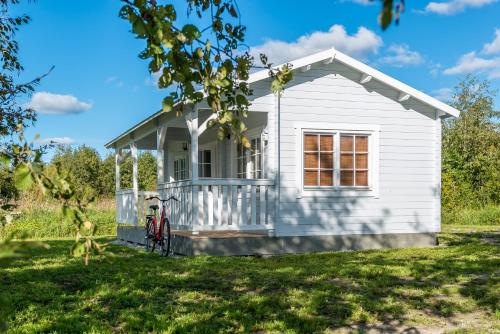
(454, 287)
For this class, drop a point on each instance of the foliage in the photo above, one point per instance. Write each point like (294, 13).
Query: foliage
(200, 62)
(82, 165)
(7, 189)
(11, 112)
(487, 215)
(471, 148)
(400, 290)
(146, 165)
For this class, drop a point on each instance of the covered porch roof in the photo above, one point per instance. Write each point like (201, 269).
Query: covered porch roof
(144, 134)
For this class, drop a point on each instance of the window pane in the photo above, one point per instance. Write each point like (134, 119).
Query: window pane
(362, 178)
(361, 143)
(207, 156)
(200, 156)
(310, 142)
(346, 143)
(311, 160)
(207, 171)
(326, 178)
(346, 161)
(346, 178)
(326, 143)
(310, 178)
(361, 161)
(326, 160)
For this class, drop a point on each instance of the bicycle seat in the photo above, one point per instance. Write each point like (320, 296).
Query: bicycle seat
(153, 207)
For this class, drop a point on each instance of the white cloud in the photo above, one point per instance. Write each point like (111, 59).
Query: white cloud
(48, 103)
(359, 45)
(455, 6)
(443, 94)
(400, 55)
(115, 81)
(494, 46)
(56, 141)
(470, 62)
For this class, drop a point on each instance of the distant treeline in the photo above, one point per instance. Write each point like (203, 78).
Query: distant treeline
(91, 174)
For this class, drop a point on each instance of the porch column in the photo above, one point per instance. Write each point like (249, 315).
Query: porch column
(135, 180)
(193, 129)
(118, 153)
(160, 150)
(194, 145)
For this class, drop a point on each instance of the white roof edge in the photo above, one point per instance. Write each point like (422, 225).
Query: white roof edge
(363, 68)
(344, 59)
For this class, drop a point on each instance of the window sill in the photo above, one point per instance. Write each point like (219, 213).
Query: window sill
(337, 192)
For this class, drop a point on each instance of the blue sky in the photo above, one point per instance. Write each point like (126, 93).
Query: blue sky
(99, 86)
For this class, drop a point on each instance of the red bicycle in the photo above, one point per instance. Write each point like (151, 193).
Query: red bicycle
(155, 231)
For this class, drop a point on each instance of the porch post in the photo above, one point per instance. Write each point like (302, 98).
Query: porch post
(118, 153)
(161, 133)
(193, 126)
(135, 180)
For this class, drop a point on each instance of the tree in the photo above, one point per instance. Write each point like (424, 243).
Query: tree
(209, 62)
(471, 147)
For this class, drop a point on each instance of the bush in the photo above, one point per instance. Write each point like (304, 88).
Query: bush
(488, 215)
(49, 223)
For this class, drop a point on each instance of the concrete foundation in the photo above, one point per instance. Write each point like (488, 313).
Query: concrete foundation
(249, 243)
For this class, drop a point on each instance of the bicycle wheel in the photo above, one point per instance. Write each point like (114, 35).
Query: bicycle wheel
(148, 239)
(165, 241)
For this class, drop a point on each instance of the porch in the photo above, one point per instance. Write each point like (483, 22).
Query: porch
(220, 186)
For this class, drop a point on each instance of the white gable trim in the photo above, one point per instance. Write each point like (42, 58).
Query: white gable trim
(368, 73)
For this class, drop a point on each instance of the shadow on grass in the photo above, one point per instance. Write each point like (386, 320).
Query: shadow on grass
(131, 290)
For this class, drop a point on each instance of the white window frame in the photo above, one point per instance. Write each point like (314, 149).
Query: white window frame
(250, 168)
(372, 131)
(185, 171)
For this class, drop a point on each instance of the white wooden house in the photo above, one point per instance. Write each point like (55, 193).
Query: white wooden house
(346, 158)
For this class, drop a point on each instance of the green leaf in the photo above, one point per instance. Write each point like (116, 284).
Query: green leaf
(22, 177)
(78, 249)
(4, 159)
(167, 104)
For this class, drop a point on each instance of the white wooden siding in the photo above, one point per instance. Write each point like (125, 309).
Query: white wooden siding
(407, 148)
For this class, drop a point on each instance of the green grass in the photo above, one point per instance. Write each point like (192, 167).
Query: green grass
(49, 223)
(488, 215)
(454, 286)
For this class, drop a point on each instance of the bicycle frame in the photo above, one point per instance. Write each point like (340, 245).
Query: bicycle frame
(158, 230)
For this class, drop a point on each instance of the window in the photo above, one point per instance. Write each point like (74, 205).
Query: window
(354, 160)
(180, 171)
(251, 157)
(318, 159)
(205, 163)
(335, 159)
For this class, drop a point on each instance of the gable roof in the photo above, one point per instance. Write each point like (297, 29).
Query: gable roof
(329, 56)
(332, 54)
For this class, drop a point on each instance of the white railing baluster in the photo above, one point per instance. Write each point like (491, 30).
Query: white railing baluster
(224, 206)
(253, 200)
(234, 205)
(206, 213)
(243, 209)
(215, 205)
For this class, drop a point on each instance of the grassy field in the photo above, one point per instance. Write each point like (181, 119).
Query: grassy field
(487, 215)
(454, 287)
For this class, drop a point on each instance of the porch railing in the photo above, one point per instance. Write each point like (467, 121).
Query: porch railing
(220, 204)
(125, 206)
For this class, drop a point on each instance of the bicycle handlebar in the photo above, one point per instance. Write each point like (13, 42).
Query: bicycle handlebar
(162, 200)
